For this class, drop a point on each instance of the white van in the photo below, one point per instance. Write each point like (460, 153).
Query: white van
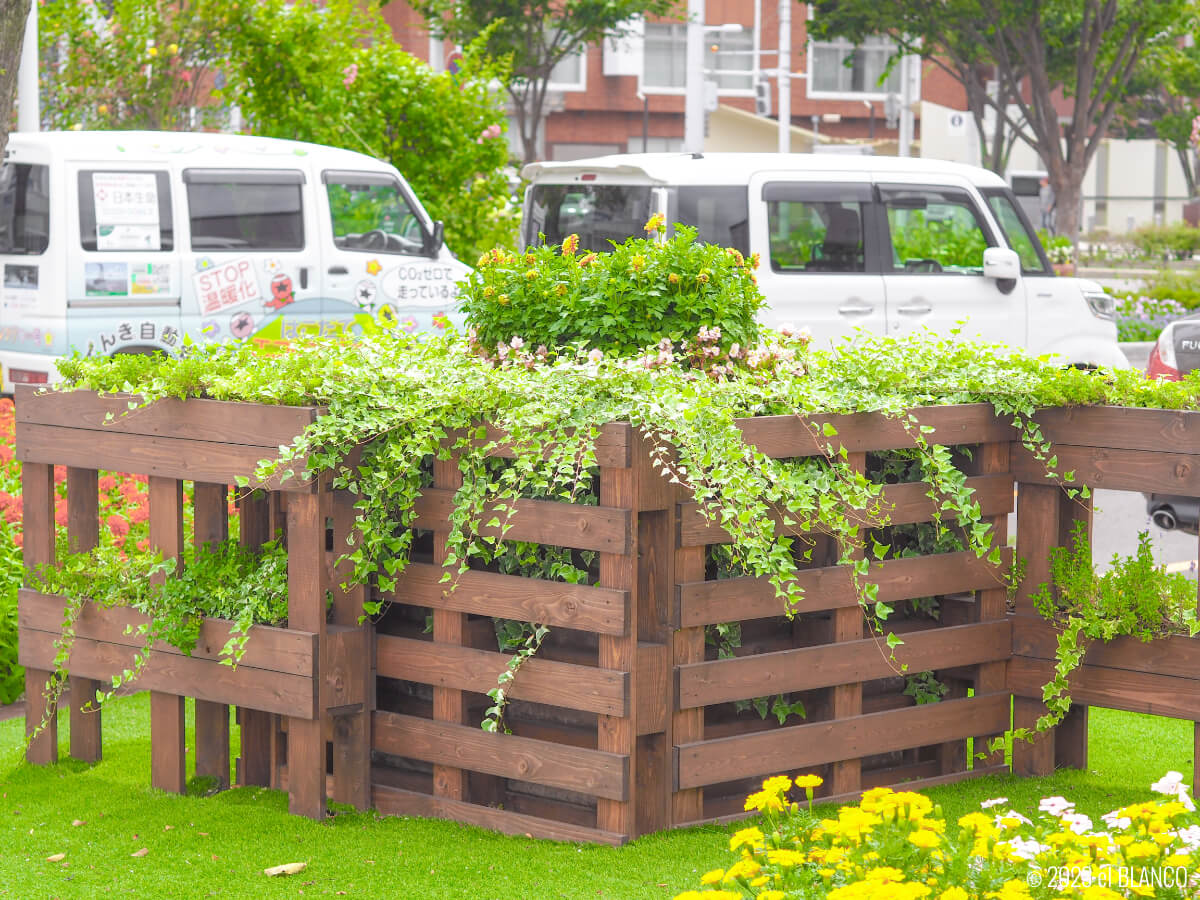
(131, 242)
(880, 244)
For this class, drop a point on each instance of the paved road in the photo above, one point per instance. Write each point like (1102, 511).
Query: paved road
(1120, 515)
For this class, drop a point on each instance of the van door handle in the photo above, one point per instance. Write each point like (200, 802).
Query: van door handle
(856, 310)
(914, 309)
(338, 270)
(303, 277)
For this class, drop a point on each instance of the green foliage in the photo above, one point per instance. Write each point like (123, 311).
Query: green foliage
(1135, 597)
(331, 73)
(951, 243)
(12, 676)
(924, 687)
(1165, 242)
(226, 581)
(1143, 318)
(536, 35)
(133, 64)
(620, 302)
(1059, 248)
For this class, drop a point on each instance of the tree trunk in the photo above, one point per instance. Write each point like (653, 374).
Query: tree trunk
(12, 34)
(1068, 198)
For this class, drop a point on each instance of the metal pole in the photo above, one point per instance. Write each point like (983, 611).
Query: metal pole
(785, 76)
(29, 115)
(645, 123)
(908, 77)
(693, 110)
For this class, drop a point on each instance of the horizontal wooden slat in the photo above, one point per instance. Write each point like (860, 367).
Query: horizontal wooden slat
(1123, 428)
(1157, 695)
(902, 504)
(1177, 655)
(602, 610)
(191, 460)
(173, 673)
(601, 528)
(613, 447)
(392, 801)
(803, 435)
(272, 649)
(466, 747)
(799, 747)
(214, 421)
(588, 688)
(807, 668)
(1117, 470)
(829, 587)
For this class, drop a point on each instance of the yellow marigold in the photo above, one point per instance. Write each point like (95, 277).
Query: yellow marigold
(785, 858)
(760, 881)
(924, 838)
(655, 223)
(1099, 892)
(764, 800)
(743, 868)
(777, 784)
(673, 278)
(570, 245)
(484, 260)
(637, 262)
(750, 837)
(808, 781)
(587, 259)
(561, 290)
(885, 874)
(502, 299)
(531, 274)
(712, 877)
(954, 893)
(772, 895)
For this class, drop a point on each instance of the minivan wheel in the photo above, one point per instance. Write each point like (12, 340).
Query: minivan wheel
(1164, 518)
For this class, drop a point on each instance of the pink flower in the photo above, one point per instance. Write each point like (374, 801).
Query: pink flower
(516, 343)
(595, 356)
(351, 73)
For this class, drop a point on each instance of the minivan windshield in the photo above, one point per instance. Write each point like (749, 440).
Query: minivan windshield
(1017, 231)
(598, 213)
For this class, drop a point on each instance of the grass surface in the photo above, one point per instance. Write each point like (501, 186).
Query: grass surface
(219, 845)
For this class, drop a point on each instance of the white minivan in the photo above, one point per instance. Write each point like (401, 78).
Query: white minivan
(131, 242)
(878, 244)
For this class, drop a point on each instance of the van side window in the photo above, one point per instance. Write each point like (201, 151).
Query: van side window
(245, 209)
(816, 227)
(125, 210)
(598, 213)
(24, 208)
(720, 215)
(933, 230)
(370, 213)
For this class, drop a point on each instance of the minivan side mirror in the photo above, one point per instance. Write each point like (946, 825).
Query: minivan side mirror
(435, 240)
(1001, 263)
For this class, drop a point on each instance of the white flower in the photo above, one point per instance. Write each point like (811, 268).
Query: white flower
(1114, 819)
(787, 329)
(595, 356)
(1170, 784)
(1026, 848)
(516, 343)
(1190, 836)
(1011, 819)
(1056, 806)
(735, 351)
(1185, 799)
(1077, 822)
(805, 333)
(995, 801)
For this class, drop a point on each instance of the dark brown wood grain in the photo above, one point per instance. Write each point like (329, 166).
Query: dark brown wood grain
(597, 609)
(193, 460)
(540, 680)
(393, 801)
(830, 587)
(900, 504)
(849, 662)
(168, 762)
(599, 528)
(83, 534)
(470, 747)
(802, 434)
(1116, 470)
(800, 747)
(1157, 695)
(1122, 428)
(223, 422)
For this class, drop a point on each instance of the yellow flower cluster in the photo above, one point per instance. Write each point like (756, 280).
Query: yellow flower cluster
(895, 845)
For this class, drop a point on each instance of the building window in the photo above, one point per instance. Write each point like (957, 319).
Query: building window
(840, 67)
(725, 55)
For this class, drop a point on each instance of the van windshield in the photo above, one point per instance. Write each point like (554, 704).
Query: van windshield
(1017, 231)
(598, 213)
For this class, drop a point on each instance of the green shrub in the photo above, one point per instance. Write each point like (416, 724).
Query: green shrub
(1057, 246)
(622, 302)
(1179, 285)
(1178, 241)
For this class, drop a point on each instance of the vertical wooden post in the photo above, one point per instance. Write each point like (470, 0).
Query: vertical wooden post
(846, 775)
(168, 760)
(1071, 736)
(351, 731)
(83, 533)
(211, 527)
(992, 678)
(687, 646)
(615, 734)
(1038, 508)
(255, 726)
(37, 495)
(307, 583)
(448, 628)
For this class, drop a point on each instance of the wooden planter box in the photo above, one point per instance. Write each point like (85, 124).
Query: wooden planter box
(626, 722)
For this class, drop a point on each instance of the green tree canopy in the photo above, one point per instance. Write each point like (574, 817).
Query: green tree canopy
(1040, 52)
(536, 35)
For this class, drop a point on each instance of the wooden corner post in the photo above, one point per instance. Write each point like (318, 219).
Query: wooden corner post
(83, 534)
(168, 760)
(37, 495)
(211, 527)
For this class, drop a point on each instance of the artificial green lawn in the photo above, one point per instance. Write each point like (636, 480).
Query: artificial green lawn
(219, 845)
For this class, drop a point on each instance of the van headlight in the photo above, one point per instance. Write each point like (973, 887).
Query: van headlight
(1101, 304)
